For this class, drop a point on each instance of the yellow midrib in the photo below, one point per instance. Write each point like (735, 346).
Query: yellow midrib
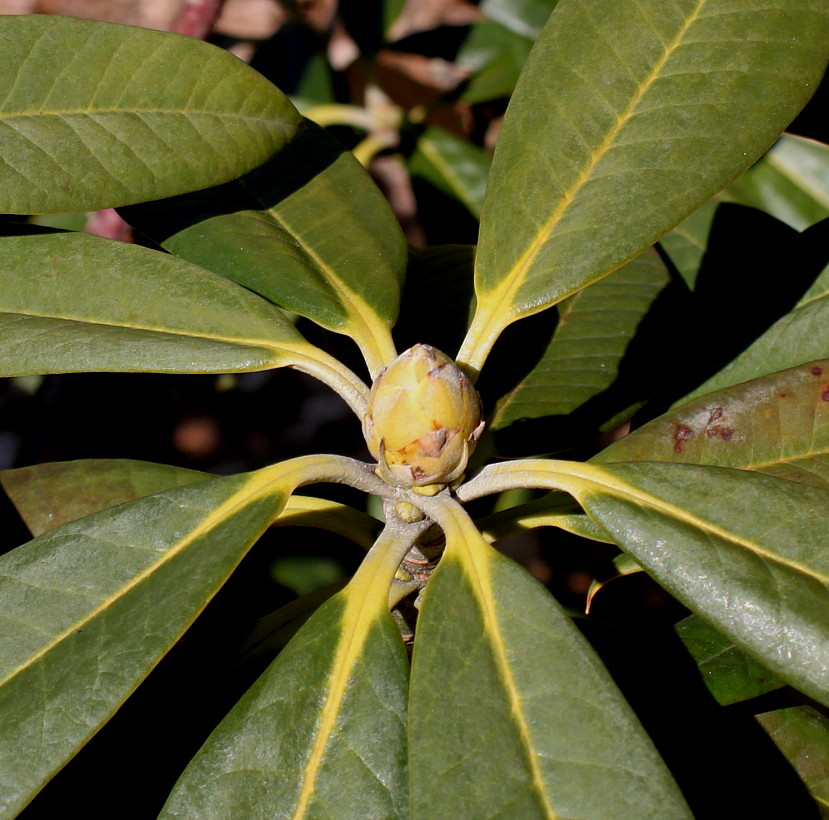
(269, 344)
(495, 307)
(467, 537)
(374, 338)
(362, 608)
(259, 484)
(578, 478)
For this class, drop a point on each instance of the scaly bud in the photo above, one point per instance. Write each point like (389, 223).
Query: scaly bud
(423, 419)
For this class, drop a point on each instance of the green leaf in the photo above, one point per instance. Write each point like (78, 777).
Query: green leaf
(634, 115)
(322, 732)
(308, 230)
(495, 56)
(594, 331)
(686, 244)
(454, 166)
(150, 311)
(96, 115)
(525, 17)
(776, 424)
(745, 551)
(50, 495)
(73, 303)
(511, 713)
(790, 182)
(91, 607)
(802, 734)
(800, 336)
(553, 510)
(730, 675)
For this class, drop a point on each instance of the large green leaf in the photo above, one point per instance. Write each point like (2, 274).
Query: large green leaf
(308, 230)
(96, 115)
(776, 424)
(802, 735)
(730, 675)
(71, 302)
(50, 495)
(322, 732)
(88, 609)
(627, 117)
(511, 713)
(594, 331)
(745, 551)
(791, 182)
(495, 56)
(800, 336)
(452, 165)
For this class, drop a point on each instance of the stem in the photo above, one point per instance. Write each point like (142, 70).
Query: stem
(336, 375)
(547, 474)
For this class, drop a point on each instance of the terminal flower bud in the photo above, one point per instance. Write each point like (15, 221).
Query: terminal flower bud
(423, 419)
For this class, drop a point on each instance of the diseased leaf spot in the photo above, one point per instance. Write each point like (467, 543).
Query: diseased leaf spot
(725, 433)
(824, 394)
(681, 435)
(817, 370)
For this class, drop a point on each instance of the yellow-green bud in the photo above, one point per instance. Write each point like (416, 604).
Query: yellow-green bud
(423, 419)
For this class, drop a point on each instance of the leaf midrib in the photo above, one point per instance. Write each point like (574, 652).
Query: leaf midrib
(257, 487)
(591, 475)
(236, 342)
(518, 273)
(464, 531)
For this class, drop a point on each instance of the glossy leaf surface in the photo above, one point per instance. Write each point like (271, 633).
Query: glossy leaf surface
(790, 182)
(150, 311)
(635, 114)
(322, 732)
(91, 607)
(511, 713)
(52, 494)
(308, 230)
(802, 735)
(730, 675)
(96, 115)
(776, 424)
(745, 551)
(594, 330)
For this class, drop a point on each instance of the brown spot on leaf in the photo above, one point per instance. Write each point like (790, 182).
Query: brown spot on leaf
(716, 414)
(824, 394)
(783, 395)
(725, 433)
(817, 370)
(681, 435)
